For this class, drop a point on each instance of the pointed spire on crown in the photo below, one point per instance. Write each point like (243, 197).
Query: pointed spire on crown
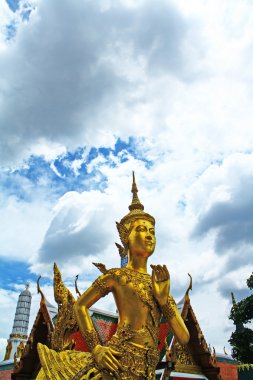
(136, 204)
(136, 211)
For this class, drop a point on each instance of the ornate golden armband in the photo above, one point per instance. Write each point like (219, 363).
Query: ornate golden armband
(101, 286)
(91, 339)
(168, 309)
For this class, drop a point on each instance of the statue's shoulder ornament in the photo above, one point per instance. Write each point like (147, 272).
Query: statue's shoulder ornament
(114, 272)
(101, 283)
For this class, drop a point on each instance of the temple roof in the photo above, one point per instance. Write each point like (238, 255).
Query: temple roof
(196, 357)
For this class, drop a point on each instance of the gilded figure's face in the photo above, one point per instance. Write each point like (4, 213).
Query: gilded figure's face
(141, 240)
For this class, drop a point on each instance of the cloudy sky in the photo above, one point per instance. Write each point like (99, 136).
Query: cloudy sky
(91, 90)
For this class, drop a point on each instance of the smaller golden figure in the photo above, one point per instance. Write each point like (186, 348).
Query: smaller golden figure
(20, 349)
(8, 351)
(132, 353)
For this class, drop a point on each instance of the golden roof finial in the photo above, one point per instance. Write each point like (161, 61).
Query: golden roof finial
(187, 297)
(76, 287)
(61, 293)
(42, 301)
(136, 204)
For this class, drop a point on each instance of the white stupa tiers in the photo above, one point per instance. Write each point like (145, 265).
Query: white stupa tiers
(18, 336)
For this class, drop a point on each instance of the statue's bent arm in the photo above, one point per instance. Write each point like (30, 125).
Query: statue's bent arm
(100, 287)
(104, 356)
(173, 316)
(161, 288)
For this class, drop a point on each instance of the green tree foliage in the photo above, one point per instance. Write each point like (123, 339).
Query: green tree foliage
(241, 339)
(242, 345)
(250, 282)
(243, 312)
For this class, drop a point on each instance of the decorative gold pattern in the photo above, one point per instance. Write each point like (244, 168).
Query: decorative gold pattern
(185, 362)
(137, 362)
(100, 285)
(66, 322)
(62, 365)
(91, 339)
(123, 233)
(169, 310)
(18, 336)
(101, 267)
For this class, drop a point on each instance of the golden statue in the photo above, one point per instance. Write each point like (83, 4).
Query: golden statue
(20, 349)
(8, 351)
(132, 353)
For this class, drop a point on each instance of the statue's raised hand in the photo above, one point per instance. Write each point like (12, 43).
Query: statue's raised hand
(161, 283)
(105, 359)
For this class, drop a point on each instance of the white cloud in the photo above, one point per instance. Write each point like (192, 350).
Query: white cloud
(21, 236)
(3, 344)
(71, 84)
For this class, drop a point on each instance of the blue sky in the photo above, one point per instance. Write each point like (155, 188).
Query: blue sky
(62, 174)
(15, 272)
(94, 90)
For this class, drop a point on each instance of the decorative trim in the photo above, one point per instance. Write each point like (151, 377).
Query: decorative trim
(18, 336)
(91, 339)
(168, 309)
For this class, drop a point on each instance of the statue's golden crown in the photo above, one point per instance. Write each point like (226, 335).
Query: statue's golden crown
(136, 208)
(136, 212)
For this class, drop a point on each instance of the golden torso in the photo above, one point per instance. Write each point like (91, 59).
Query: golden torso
(136, 305)
(130, 307)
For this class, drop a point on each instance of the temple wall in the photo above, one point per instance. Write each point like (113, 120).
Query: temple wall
(228, 371)
(6, 375)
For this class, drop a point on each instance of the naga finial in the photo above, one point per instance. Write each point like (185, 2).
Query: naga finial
(42, 301)
(76, 287)
(187, 298)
